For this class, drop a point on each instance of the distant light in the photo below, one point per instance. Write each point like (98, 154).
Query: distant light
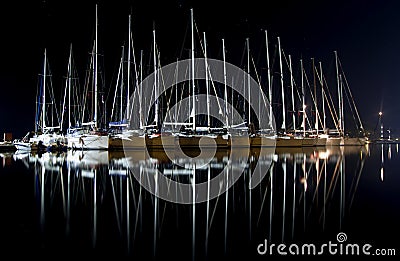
(380, 113)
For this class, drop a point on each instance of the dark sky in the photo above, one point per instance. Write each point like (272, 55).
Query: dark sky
(366, 35)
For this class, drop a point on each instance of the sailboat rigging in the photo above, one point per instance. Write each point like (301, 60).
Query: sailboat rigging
(46, 134)
(90, 135)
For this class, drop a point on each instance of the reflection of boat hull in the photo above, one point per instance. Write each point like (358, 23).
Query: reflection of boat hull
(299, 150)
(87, 158)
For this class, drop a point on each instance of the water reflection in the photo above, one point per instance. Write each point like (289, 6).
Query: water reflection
(93, 196)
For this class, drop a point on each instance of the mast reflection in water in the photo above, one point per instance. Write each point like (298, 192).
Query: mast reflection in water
(88, 203)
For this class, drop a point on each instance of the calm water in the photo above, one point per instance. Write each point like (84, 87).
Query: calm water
(90, 204)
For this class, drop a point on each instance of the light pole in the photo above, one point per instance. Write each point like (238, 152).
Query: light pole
(381, 123)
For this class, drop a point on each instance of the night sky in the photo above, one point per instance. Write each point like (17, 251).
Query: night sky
(366, 35)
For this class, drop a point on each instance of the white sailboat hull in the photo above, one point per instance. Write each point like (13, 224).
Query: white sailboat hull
(88, 142)
(23, 146)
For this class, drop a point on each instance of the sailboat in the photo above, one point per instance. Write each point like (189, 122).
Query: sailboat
(181, 131)
(315, 137)
(121, 135)
(263, 136)
(153, 136)
(285, 139)
(46, 135)
(210, 136)
(89, 136)
(347, 140)
(339, 137)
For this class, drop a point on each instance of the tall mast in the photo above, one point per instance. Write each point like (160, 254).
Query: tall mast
(315, 99)
(303, 98)
(381, 123)
(67, 89)
(207, 83)
(122, 85)
(292, 87)
(283, 88)
(225, 89)
(129, 70)
(323, 97)
(44, 92)
(269, 81)
(341, 131)
(248, 79)
(176, 90)
(141, 90)
(69, 85)
(119, 85)
(193, 86)
(155, 79)
(341, 103)
(95, 76)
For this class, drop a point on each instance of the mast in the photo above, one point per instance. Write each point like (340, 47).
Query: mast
(323, 97)
(207, 83)
(155, 79)
(341, 103)
(193, 86)
(44, 92)
(122, 84)
(341, 130)
(129, 71)
(225, 89)
(315, 100)
(67, 89)
(141, 90)
(292, 87)
(283, 88)
(95, 76)
(381, 124)
(269, 81)
(176, 91)
(69, 85)
(303, 98)
(248, 79)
